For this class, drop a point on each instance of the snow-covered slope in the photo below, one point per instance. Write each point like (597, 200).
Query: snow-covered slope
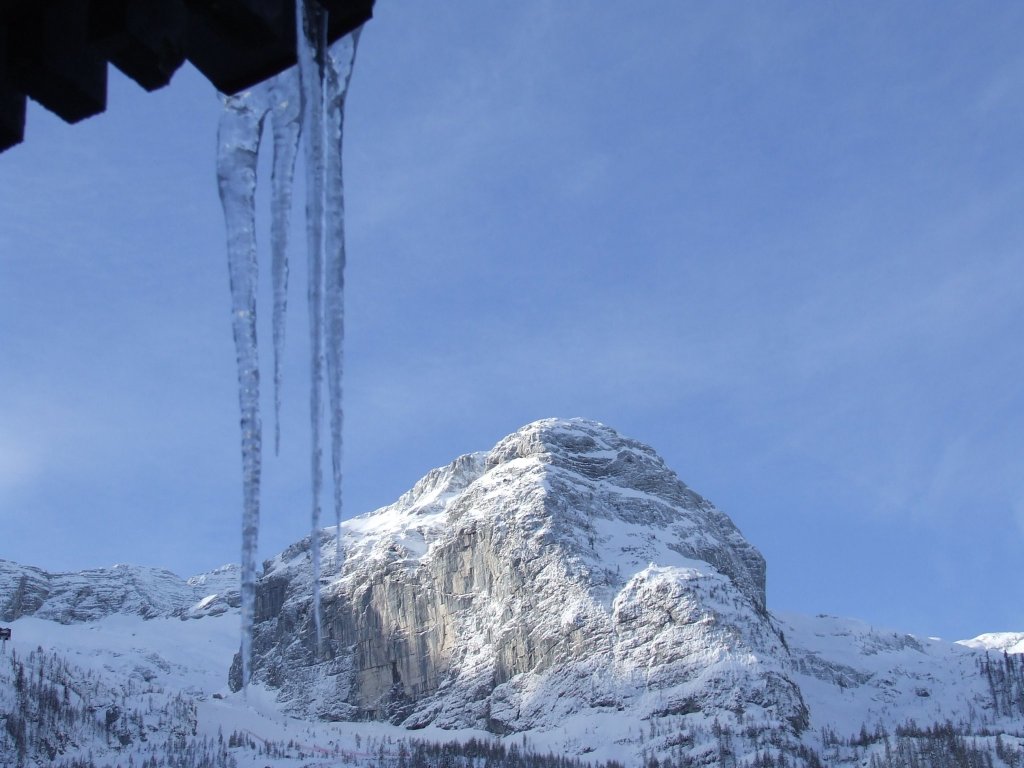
(164, 678)
(852, 673)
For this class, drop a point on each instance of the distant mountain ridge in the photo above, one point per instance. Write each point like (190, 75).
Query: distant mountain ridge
(121, 589)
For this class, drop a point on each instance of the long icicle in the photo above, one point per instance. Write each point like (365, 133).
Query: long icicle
(340, 63)
(311, 20)
(286, 125)
(238, 140)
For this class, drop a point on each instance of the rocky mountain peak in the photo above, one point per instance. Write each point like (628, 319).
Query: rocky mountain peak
(509, 588)
(618, 496)
(564, 438)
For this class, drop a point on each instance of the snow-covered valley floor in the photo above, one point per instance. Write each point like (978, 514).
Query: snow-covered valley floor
(151, 690)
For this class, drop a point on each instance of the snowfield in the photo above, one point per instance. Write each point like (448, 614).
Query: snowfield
(849, 674)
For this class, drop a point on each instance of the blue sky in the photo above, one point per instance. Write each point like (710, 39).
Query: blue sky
(779, 242)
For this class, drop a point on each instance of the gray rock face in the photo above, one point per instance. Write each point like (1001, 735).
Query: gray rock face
(89, 595)
(566, 571)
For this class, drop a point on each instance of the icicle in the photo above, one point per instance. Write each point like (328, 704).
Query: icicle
(286, 124)
(238, 139)
(340, 62)
(311, 21)
(312, 96)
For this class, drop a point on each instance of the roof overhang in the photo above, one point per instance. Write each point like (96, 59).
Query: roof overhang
(56, 51)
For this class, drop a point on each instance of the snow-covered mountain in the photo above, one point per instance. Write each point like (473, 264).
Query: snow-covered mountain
(566, 573)
(563, 592)
(123, 589)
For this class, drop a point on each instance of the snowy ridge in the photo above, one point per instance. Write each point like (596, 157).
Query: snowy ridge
(121, 589)
(1010, 642)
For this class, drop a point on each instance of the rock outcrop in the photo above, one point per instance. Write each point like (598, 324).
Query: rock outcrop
(567, 571)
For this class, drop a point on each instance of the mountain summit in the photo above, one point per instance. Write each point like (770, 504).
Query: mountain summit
(565, 573)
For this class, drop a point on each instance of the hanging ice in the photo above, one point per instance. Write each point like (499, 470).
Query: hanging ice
(312, 95)
(239, 136)
(340, 62)
(324, 75)
(311, 20)
(286, 123)
(238, 139)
